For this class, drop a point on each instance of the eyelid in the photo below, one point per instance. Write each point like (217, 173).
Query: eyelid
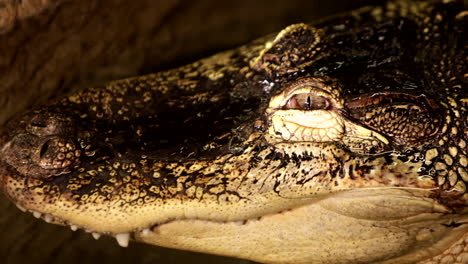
(307, 102)
(313, 86)
(310, 91)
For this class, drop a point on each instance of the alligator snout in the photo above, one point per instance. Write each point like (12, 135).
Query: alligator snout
(41, 144)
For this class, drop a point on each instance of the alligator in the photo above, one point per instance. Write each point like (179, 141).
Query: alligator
(339, 141)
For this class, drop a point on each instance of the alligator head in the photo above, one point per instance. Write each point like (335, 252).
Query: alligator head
(317, 145)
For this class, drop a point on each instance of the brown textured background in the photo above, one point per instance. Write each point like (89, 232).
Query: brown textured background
(48, 47)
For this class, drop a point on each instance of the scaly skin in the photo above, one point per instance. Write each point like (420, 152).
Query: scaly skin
(343, 141)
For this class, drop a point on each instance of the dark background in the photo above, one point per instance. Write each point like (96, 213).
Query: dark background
(65, 45)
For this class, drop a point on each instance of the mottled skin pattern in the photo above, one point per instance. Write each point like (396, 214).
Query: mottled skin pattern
(343, 141)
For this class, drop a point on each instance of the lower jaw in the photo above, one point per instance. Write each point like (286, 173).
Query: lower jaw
(308, 234)
(123, 239)
(286, 238)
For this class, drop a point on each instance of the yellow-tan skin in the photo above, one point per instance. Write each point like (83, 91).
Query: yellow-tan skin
(263, 213)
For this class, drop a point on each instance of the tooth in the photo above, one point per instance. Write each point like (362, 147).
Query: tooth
(36, 214)
(21, 208)
(96, 235)
(123, 239)
(73, 227)
(241, 222)
(145, 231)
(47, 218)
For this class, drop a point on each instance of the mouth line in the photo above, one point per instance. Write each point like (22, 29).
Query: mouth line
(123, 238)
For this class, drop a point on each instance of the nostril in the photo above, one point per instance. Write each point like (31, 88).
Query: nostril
(49, 124)
(37, 124)
(44, 149)
(39, 157)
(42, 125)
(56, 154)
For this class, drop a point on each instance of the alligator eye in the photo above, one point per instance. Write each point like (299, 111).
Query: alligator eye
(307, 101)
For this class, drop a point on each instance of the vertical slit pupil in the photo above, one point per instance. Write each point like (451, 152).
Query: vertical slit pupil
(307, 104)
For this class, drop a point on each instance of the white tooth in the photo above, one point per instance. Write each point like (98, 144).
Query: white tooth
(73, 227)
(96, 235)
(145, 231)
(21, 208)
(36, 214)
(47, 218)
(123, 239)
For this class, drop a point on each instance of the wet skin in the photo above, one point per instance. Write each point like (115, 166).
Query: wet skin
(315, 145)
